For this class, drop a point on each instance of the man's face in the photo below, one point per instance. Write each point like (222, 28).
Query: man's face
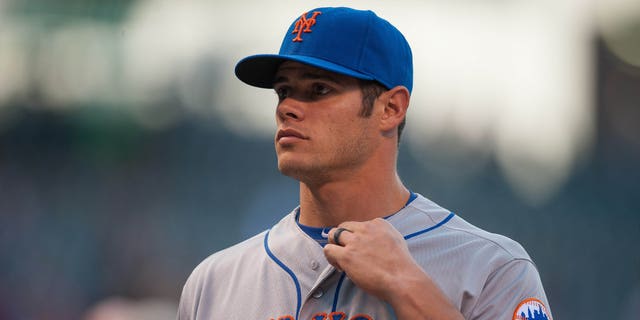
(320, 135)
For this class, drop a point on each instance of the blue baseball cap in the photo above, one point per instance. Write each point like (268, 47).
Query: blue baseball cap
(352, 42)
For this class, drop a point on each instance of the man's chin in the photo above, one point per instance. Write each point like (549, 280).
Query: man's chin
(306, 174)
(289, 169)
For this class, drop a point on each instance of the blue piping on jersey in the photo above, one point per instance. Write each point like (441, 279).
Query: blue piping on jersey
(286, 269)
(335, 297)
(407, 237)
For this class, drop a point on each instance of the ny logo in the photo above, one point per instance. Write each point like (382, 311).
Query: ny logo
(304, 25)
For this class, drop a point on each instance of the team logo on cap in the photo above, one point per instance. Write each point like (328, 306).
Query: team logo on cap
(531, 309)
(304, 24)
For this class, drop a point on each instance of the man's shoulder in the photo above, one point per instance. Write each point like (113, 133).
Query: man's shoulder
(236, 257)
(211, 278)
(450, 228)
(483, 239)
(232, 255)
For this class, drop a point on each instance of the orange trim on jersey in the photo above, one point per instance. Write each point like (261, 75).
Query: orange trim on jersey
(334, 316)
(319, 316)
(286, 318)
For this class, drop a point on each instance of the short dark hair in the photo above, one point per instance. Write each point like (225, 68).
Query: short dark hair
(371, 90)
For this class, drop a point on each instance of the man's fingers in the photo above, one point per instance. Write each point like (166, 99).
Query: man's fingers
(339, 236)
(335, 235)
(333, 252)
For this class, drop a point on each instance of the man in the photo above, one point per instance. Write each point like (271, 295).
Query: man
(360, 245)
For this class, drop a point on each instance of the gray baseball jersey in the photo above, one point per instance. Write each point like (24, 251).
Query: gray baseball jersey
(282, 274)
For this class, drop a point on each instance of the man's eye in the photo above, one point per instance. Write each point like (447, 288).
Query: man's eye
(320, 89)
(282, 93)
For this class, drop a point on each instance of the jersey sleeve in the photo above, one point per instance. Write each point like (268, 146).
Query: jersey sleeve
(188, 306)
(514, 287)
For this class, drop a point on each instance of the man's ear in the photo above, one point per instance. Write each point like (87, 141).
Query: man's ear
(395, 104)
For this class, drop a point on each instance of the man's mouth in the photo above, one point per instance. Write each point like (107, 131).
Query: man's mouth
(289, 135)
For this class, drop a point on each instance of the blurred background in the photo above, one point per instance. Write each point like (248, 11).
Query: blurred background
(129, 151)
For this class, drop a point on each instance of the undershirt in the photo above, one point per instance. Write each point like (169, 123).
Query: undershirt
(321, 234)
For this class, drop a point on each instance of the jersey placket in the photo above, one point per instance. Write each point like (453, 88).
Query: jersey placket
(318, 303)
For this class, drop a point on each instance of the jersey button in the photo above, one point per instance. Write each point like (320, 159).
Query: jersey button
(314, 265)
(318, 293)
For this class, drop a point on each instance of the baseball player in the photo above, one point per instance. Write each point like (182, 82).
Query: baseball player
(360, 245)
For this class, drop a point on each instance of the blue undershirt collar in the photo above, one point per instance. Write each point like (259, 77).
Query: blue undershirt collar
(321, 234)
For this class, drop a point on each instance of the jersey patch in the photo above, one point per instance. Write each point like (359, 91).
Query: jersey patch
(531, 309)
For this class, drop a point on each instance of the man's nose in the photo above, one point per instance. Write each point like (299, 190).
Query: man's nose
(290, 109)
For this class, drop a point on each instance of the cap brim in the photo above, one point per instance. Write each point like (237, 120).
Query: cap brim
(260, 70)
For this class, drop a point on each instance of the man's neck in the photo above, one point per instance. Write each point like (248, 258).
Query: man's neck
(334, 202)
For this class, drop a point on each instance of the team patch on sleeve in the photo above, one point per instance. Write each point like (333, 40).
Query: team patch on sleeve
(531, 309)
